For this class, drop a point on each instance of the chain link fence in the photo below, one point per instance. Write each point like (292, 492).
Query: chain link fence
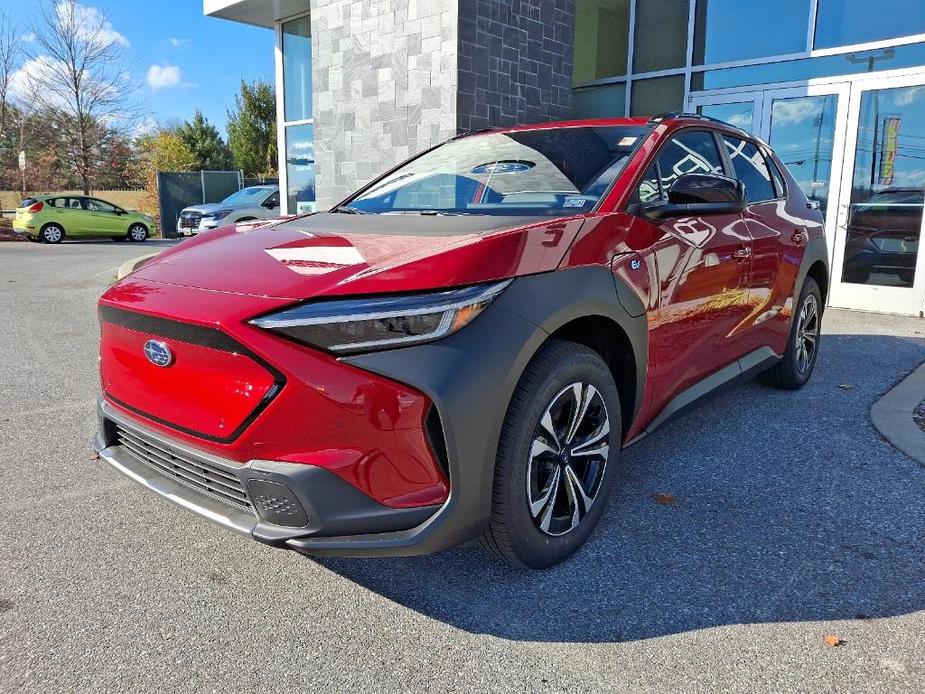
(179, 189)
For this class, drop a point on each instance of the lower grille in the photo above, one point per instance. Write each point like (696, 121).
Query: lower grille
(192, 472)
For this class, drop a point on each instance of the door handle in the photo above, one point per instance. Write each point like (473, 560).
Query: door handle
(742, 253)
(799, 237)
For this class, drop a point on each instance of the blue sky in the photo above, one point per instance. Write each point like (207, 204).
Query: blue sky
(180, 59)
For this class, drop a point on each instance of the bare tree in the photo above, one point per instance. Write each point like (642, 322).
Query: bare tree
(10, 48)
(78, 70)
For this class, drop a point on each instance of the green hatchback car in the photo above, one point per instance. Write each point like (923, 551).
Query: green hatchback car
(51, 218)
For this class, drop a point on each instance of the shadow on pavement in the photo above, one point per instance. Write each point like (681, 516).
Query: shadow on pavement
(789, 508)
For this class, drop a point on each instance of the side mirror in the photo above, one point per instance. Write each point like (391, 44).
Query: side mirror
(697, 194)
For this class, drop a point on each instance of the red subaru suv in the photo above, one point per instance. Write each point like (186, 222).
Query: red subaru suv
(461, 349)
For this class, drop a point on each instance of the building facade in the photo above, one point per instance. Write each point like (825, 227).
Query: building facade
(837, 87)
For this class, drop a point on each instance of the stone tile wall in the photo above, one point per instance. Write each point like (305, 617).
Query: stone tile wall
(515, 62)
(394, 77)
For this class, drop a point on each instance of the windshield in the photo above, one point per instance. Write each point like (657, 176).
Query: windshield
(246, 196)
(556, 171)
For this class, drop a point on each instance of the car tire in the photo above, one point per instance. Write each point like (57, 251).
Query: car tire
(539, 517)
(799, 360)
(51, 233)
(137, 232)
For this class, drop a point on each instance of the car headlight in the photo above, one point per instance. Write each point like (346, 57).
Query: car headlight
(219, 214)
(366, 324)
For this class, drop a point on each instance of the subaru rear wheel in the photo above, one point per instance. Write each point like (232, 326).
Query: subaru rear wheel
(52, 233)
(556, 457)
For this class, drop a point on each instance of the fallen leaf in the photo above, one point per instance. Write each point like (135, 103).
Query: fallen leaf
(832, 640)
(94, 456)
(665, 499)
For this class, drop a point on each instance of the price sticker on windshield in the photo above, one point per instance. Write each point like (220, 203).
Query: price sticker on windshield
(574, 202)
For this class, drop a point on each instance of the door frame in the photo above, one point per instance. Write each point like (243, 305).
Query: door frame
(868, 297)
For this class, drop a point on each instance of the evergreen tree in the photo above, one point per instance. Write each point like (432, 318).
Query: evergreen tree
(209, 150)
(252, 129)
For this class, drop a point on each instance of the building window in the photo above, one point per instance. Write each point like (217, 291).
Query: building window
(297, 69)
(728, 30)
(607, 101)
(300, 168)
(657, 95)
(601, 39)
(660, 41)
(846, 22)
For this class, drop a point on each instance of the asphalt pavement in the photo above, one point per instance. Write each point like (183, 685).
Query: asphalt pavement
(788, 519)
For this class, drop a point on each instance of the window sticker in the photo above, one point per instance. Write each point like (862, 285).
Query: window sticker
(574, 202)
(627, 141)
(503, 167)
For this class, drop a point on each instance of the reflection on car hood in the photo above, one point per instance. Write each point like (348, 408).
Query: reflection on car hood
(335, 254)
(207, 207)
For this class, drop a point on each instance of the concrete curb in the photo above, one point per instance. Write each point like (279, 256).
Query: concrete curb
(133, 264)
(892, 415)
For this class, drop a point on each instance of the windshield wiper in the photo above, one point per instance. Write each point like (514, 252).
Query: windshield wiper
(346, 209)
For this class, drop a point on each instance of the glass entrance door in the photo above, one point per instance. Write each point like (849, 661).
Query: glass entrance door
(805, 125)
(878, 264)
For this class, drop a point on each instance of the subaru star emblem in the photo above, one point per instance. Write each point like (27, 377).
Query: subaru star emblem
(158, 353)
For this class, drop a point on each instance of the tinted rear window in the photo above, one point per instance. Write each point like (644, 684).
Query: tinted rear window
(27, 202)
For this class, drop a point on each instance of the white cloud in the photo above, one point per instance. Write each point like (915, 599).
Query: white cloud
(178, 42)
(89, 21)
(29, 83)
(164, 76)
(27, 38)
(146, 126)
(909, 96)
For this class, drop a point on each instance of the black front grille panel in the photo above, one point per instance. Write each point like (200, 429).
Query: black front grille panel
(190, 220)
(192, 472)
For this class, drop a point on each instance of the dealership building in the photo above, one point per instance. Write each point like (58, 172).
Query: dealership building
(837, 87)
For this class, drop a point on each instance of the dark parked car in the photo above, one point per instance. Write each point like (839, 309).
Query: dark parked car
(883, 236)
(462, 348)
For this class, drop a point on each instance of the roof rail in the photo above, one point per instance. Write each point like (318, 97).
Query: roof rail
(466, 133)
(683, 114)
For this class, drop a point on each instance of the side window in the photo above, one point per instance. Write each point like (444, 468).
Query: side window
(750, 168)
(56, 202)
(780, 187)
(272, 201)
(688, 152)
(99, 206)
(74, 203)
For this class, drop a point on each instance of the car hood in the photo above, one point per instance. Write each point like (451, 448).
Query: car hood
(338, 254)
(207, 207)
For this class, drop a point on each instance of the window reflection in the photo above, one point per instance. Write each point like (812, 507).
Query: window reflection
(803, 135)
(846, 22)
(885, 213)
(657, 95)
(912, 55)
(660, 41)
(729, 30)
(297, 68)
(608, 101)
(300, 169)
(739, 114)
(601, 39)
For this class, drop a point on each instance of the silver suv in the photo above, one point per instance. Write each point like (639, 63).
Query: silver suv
(246, 205)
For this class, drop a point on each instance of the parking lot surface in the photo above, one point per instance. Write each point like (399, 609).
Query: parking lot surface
(787, 519)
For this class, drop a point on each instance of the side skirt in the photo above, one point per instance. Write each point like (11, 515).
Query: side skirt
(726, 378)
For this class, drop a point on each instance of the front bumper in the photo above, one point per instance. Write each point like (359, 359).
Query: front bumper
(318, 506)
